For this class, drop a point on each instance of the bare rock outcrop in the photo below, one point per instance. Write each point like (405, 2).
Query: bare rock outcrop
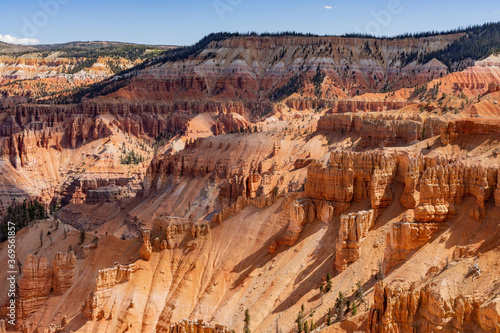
(381, 184)
(35, 285)
(190, 326)
(302, 212)
(105, 281)
(327, 210)
(455, 129)
(302, 163)
(380, 129)
(230, 123)
(400, 308)
(353, 229)
(404, 238)
(241, 178)
(20, 148)
(442, 187)
(330, 183)
(100, 188)
(353, 176)
(40, 279)
(146, 248)
(168, 234)
(410, 197)
(63, 266)
(243, 189)
(110, 193)
(394, 309)
(493, 87)
(198, 230)
(411, 168)
(81, 129)
(489, 315)
(367, 106)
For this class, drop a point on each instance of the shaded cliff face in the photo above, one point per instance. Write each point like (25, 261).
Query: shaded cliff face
(249, 203)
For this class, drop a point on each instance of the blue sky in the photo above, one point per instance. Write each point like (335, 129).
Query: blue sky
(185, 22)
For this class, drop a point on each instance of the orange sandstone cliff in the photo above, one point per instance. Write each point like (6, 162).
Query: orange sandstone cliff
(204, 186)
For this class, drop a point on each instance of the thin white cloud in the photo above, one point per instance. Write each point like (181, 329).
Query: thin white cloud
(496, 11)
(22, 41)
(328, 7)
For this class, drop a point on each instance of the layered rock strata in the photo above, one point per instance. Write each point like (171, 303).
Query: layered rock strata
(444, 186)
(63, 266)
(105, 281)
(146, 248)
(381, 129)
(353, 230)
(40, 279)
(353, 176)
(404, 238)
(401, 308)
(302, 212)
(457, 128)
(35, 285)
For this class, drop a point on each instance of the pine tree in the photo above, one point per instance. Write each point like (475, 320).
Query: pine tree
(329, 317)
(359, 294)
(246, 329)
(328, 282)
(300, 320)
(339, 306)
(354, 309)
(312, 320)
(82, 236)
(318, 80)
